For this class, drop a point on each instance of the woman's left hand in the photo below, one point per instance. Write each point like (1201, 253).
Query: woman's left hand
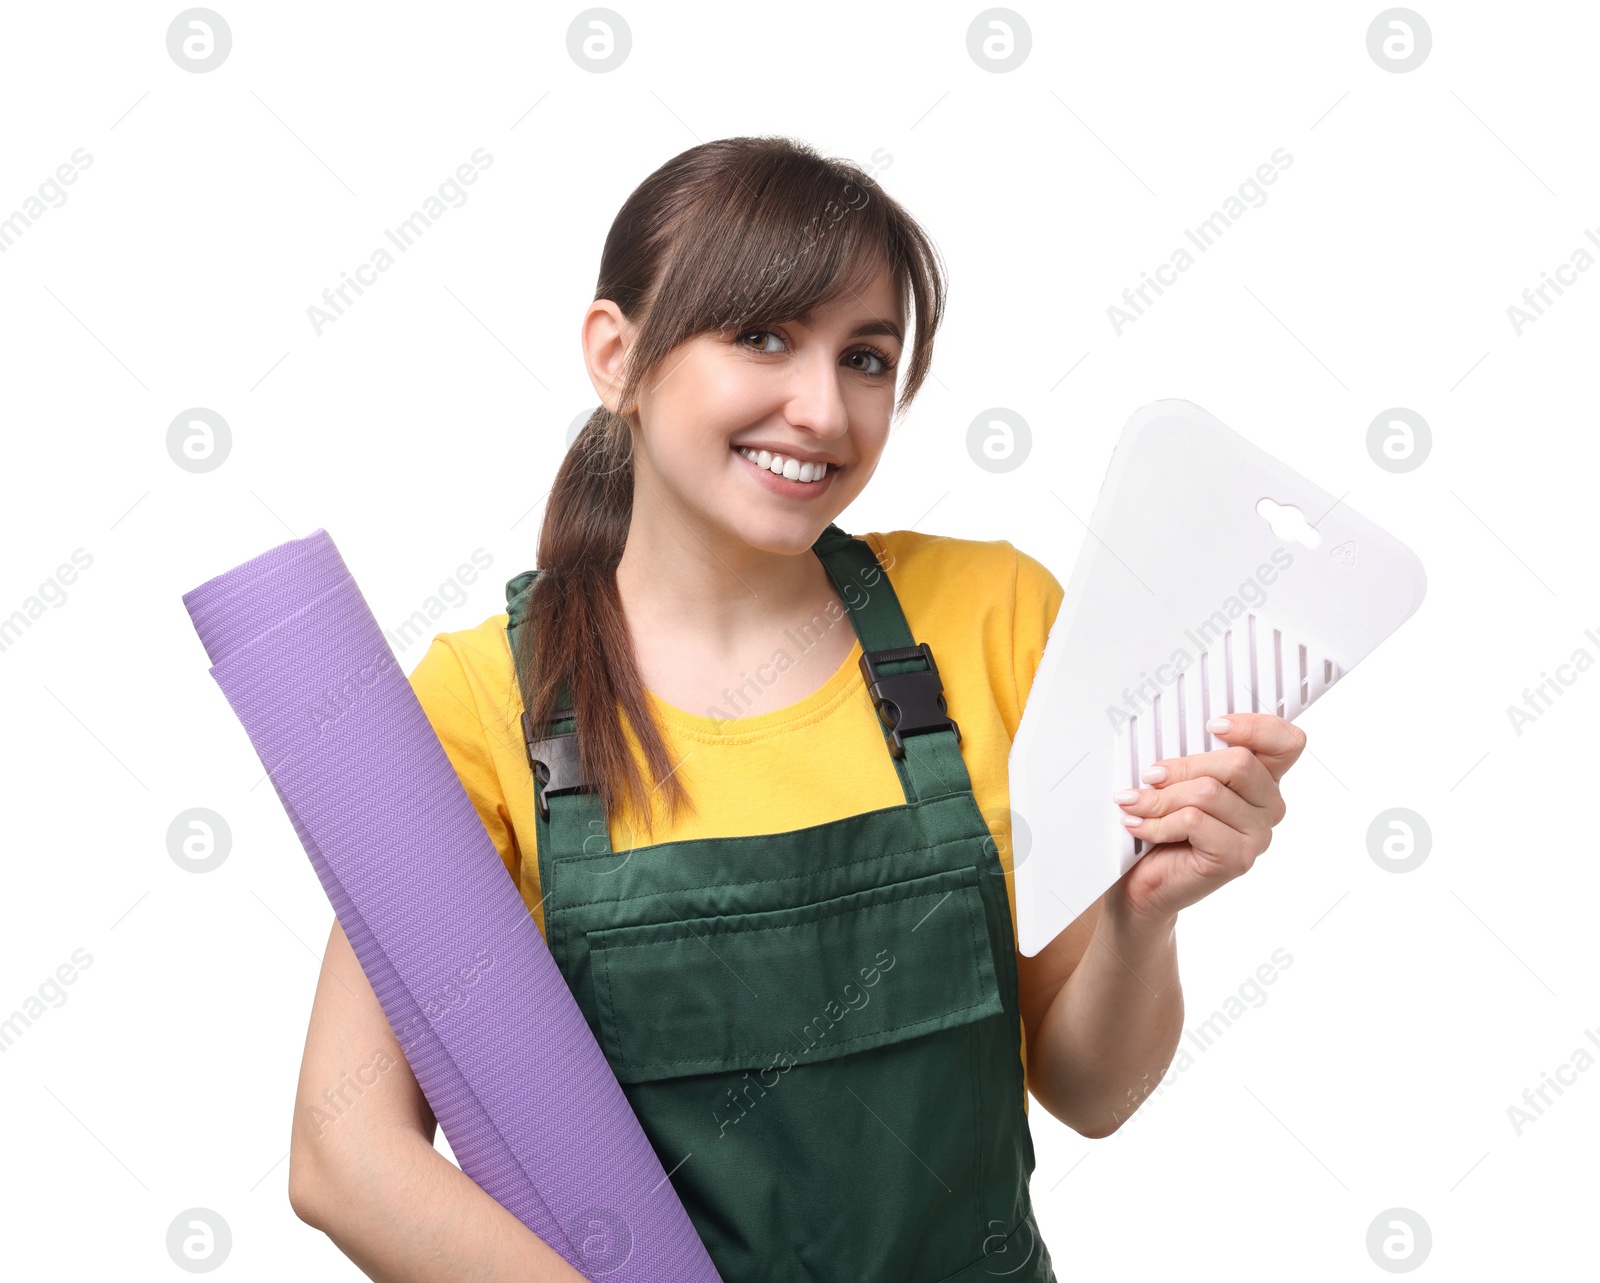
(1207, 815)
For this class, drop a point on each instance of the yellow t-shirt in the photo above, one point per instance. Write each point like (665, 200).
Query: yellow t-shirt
(983, 607)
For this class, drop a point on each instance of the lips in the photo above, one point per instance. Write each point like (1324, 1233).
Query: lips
(782, 485)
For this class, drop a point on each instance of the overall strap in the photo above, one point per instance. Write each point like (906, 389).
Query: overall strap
(576, 822)
(900, 676)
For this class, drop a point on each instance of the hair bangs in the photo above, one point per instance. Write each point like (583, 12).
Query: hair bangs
(801, 240)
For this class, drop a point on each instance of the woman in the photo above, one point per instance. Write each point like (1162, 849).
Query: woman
(785, 919)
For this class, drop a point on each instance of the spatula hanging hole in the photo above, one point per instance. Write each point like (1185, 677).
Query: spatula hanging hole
(1288, 522)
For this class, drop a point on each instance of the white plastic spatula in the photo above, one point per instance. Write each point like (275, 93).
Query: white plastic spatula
(1213, 580)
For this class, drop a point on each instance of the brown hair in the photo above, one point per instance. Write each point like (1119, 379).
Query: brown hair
(724, 235)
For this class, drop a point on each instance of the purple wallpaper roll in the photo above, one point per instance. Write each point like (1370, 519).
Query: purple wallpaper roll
(498, 1045)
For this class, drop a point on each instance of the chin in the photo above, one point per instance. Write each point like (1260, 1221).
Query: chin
(775, 532)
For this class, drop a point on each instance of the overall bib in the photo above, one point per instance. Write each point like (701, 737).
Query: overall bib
(817, 1029)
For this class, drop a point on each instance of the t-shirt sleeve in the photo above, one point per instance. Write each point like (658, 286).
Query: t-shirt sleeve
(441, 686)
(1038, 595)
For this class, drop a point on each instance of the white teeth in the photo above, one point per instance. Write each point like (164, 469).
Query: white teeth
(790, 468)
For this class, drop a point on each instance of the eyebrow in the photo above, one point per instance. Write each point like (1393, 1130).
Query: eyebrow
(865, 329)
(879, 327)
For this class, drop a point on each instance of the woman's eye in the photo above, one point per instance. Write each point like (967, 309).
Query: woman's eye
(883, 368)
(770, 333)
(877, 364)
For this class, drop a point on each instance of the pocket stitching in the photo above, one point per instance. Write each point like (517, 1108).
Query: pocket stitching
(756, 930)
(762, 882)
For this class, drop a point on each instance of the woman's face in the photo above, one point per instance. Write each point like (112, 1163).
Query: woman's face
(805, 392)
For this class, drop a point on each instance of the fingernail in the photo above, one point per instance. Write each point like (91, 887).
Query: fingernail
(1123, 796)
(1218, 725)
(1133, 821)
(1154, 775)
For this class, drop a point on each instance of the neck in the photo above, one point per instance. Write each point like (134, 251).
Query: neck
(677, 576)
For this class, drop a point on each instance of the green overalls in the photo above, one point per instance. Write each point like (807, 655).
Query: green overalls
(817, 1029)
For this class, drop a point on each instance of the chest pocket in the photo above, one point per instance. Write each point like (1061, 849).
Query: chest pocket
(829, 1061)
(840, 976)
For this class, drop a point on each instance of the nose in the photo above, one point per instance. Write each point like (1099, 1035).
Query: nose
(816, 399)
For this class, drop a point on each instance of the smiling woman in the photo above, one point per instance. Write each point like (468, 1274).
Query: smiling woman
(755, 307)
(746, 336)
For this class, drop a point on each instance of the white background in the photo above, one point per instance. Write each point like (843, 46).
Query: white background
(428, 422)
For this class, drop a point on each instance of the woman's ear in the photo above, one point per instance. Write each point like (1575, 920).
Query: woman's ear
(606, 337)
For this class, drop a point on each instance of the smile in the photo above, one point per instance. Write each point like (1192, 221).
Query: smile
(787, 476)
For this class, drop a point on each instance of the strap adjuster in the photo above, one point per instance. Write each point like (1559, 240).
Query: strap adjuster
(554, 759)
(908, 703)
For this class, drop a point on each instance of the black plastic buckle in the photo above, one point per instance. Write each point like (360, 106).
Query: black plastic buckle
(908, 703)
(554, 759)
